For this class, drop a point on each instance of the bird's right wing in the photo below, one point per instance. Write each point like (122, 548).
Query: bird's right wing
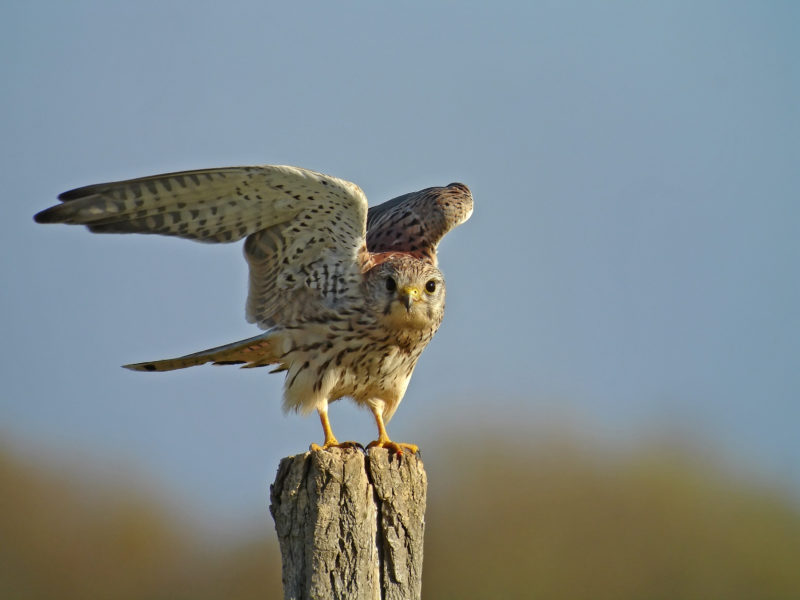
(306, 231)
(207, 205)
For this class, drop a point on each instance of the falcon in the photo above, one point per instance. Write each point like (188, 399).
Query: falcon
(349, 296)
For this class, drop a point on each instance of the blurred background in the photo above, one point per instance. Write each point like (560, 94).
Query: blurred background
(610, 408)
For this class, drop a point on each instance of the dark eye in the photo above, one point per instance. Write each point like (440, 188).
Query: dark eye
(430, 287)
(391, 284)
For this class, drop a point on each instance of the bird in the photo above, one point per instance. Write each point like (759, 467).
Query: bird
(348, 295)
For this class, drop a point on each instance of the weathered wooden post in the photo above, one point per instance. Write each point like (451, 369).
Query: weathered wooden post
(350, 525)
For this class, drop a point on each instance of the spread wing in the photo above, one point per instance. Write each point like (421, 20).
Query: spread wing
(305, 230)
(416, 222)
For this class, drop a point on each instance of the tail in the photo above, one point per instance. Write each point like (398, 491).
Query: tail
(253, 352)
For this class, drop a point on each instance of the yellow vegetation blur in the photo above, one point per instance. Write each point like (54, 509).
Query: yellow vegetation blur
(549, 521)
(561, 522)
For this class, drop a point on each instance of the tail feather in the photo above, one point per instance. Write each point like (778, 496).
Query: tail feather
(253, 352)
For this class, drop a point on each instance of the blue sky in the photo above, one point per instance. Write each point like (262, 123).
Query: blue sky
(631, 263)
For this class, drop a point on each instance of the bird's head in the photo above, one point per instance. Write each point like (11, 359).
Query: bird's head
(407, 293)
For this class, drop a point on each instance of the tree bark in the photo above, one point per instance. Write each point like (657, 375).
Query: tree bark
(350, 525)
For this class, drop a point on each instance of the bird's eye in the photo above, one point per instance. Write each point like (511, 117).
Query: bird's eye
(430, 287)
(391, 284)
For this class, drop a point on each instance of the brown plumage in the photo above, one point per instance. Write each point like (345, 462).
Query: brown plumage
(349, 296)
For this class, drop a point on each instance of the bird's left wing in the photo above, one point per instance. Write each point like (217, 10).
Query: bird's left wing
(415, 223)
(306, 231)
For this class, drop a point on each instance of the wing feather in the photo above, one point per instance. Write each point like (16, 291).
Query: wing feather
(209, 205)
(416, 222)
(305, 230)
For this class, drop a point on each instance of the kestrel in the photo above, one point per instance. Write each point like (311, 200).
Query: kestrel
(349, 296)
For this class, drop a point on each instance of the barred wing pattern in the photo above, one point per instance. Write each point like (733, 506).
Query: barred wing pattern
(305, 230)
(415, 223)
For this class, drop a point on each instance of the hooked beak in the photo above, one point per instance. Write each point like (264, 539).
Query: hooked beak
(409, 295)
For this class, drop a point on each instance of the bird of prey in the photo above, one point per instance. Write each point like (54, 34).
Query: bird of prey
(349, 296)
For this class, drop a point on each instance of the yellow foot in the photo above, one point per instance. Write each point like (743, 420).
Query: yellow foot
(334, 443)
(395, 447)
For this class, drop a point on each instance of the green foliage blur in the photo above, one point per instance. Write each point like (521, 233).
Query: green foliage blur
(554, 520)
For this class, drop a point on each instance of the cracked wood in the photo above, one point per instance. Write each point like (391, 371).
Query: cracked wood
(350, 525)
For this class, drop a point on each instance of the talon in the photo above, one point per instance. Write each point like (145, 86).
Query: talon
(334, 443)
(394, 447)
(383, 440)
(330, 439)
